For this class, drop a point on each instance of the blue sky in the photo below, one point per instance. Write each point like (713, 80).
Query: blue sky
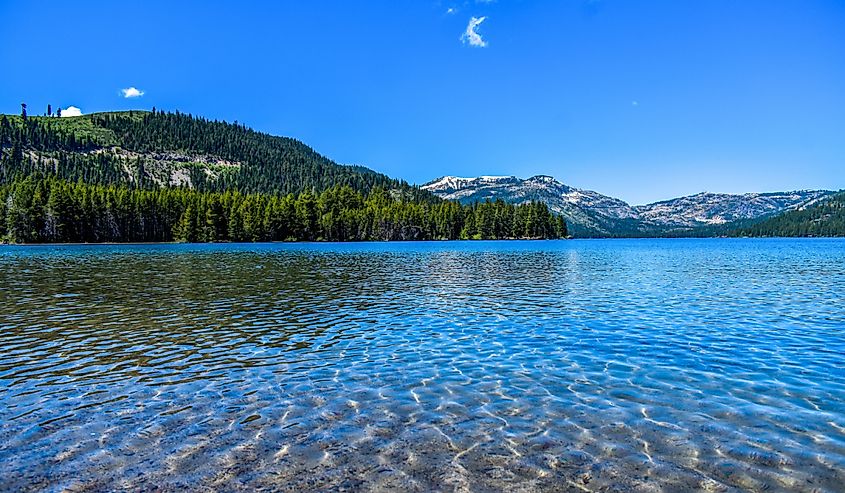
(643, 100)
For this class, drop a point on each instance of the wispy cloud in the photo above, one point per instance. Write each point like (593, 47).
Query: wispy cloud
(471, 35)
(451, 10)
(71, 111)
(132, 92)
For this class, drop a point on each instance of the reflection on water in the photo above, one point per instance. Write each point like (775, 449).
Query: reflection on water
(625, 365)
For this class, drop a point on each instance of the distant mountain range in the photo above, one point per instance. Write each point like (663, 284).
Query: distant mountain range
(590, 213)
(155, 150)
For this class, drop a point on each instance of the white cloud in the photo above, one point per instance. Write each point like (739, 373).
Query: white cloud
(71, 111)
(451, 10)
(131, 92)
(471, 35)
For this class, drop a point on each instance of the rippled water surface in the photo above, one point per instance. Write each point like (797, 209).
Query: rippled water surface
(640, 365)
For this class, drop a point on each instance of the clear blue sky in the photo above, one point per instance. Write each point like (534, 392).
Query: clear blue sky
(643, 100)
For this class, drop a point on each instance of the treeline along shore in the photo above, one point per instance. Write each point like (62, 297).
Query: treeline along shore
(39, 209)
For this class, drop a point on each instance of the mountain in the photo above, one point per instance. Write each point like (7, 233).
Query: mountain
(148, 150)
(156, 149)
(707, 209)
(825, 218)
(153, 176)
(587, 213)
(590, 213)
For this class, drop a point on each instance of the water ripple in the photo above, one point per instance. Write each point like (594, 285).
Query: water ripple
(673, 365)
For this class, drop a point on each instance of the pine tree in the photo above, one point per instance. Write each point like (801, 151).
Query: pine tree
(186, 229)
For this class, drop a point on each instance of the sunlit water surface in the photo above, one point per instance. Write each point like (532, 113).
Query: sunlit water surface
(640, 365)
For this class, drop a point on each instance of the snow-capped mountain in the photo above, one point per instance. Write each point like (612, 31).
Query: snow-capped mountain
(586, 212)
(590, 213)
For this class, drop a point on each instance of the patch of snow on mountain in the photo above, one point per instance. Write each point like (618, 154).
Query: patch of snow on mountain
(594, 213)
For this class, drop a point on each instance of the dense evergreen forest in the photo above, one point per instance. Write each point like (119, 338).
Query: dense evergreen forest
(824, 219)
(146, 149)
(48, 209)
(155, 176)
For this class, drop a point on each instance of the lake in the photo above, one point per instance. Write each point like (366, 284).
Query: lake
(625, 365)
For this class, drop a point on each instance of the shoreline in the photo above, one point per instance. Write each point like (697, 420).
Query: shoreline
(422, 241)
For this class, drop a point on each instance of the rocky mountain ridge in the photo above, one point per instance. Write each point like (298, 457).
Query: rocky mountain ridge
(590, 213)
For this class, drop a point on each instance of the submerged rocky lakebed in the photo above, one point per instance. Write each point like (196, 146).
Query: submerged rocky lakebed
(623, 365)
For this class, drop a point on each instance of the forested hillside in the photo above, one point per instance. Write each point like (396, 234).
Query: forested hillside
(824, 219)
(38, 209)
(154, 176)
(145, 150)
